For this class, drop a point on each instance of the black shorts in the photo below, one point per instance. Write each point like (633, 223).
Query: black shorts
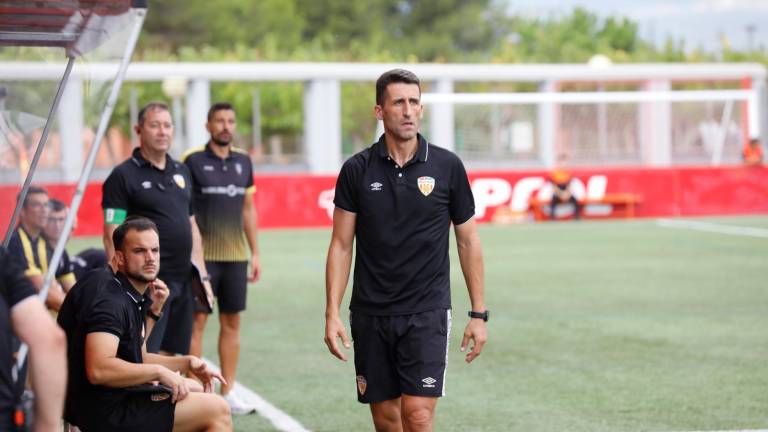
(229, 280)
(402, 354)
(137, 412)
(173, 332)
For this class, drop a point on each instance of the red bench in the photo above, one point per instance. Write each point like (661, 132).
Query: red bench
(626, 202)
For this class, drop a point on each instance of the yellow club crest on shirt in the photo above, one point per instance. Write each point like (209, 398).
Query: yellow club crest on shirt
(179, 179)
(426, 185)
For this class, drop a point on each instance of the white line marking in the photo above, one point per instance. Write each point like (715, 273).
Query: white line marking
(280, 420)
(713, 228)
(734, 430)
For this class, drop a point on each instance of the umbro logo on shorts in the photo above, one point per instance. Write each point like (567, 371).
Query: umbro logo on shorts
(429, 382)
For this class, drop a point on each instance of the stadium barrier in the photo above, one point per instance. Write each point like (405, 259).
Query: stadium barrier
(305, 201)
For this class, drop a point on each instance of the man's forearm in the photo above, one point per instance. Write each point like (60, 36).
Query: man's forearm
(115, 372)
(109, 247)
(175, 363)
(336, 277)
(471, 260)
(250, 223)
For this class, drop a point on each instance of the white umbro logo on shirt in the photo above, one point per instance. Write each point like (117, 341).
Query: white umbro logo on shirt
(146, 184)
(376, 186)
(207, 167)
(429, 382)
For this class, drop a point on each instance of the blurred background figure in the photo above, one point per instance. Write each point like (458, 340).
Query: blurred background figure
(562, 194)
(752, 154)
(30, 249)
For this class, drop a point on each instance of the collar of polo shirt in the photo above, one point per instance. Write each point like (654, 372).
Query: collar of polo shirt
(422, 153)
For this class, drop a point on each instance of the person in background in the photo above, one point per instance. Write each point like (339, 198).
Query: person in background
(30, 248)
(151, 184)
(752, 153)
(222, 185)
(562, 194)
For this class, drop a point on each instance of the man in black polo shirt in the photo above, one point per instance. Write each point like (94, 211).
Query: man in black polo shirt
(110, 372)
(222, 186)
(398, 198)
(153, 185)
(23, 316)
(29, 246)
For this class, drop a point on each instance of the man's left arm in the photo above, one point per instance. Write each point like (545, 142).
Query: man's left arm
(198, 258)
(471, 259)
(250, 222)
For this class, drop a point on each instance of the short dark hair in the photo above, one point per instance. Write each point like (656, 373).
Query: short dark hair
(152, 106)
(56, 205)
(33, 190)
(219, 106)
(139, 224)
(391, 77)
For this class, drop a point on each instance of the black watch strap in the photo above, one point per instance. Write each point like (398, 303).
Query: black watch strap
(481, 315)
(153, 316)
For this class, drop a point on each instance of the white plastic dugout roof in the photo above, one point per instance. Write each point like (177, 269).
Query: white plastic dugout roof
(62, 33)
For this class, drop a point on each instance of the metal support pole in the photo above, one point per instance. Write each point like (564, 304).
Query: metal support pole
(38, 151)
(83, 182)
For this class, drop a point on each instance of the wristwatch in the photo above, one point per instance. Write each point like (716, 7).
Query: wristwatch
(206, 278)
(153, 316)
(482, 315)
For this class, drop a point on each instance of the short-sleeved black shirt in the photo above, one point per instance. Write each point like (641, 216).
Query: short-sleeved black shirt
(219, 187)
(87, 260)
(102, 301)
(34, 254)
(138, 188)
(403, 217)
(14, 287)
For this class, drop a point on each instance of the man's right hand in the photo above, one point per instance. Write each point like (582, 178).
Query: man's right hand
(175, 381)
(334, 328)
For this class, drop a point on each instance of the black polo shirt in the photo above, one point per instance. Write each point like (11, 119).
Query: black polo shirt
(138, 188)
(403, 216)
(219, 187)
(14, 287)
(102, 301)
(87, 260)
(34, 254)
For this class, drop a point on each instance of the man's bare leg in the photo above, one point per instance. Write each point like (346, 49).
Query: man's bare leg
(198, 329)
(229, 348)
(386, 416)
(202, 412)
(418, 413)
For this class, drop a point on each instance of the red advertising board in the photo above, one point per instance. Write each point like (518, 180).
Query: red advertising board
(293, 201)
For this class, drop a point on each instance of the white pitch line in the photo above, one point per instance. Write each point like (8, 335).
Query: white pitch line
(280, 420)
(713, 228)
(733, 430)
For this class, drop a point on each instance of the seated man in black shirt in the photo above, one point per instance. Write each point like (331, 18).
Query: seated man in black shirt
(22, 315)
(110, 372)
